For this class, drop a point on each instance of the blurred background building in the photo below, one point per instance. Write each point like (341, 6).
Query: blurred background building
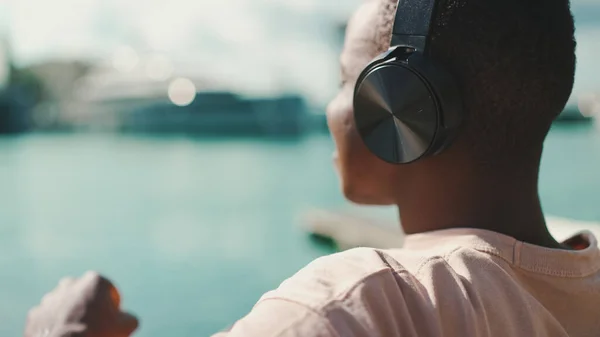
(173, 145)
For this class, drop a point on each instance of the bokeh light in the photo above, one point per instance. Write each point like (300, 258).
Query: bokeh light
(589, 104)
(182, 91)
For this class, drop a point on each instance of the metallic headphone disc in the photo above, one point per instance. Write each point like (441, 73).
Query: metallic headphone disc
(395, 113)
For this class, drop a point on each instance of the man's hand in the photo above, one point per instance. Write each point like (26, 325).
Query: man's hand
(85, 307)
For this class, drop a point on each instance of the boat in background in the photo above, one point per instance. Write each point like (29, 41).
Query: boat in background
(220, 113)
(572, 113)
(106, 100)
(581, 107)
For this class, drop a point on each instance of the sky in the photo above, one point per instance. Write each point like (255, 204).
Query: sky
(43, 28)
(259, 44)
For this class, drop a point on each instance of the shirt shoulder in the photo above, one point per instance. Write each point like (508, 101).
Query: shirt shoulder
(315, 301)
(332, 278)
(462, 283)
(362, 292)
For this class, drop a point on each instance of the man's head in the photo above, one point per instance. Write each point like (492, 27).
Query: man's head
(514, 63)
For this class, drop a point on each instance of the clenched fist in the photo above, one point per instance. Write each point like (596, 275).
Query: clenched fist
(84, 307)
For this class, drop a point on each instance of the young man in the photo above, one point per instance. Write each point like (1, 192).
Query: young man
(478, 259)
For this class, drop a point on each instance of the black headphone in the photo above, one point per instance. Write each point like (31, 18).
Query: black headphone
(407, 107)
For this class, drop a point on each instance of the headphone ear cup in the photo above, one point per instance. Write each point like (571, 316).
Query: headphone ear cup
(406, 107)
(395, 112)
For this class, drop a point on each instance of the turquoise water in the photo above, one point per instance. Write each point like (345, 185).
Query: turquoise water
(193, 231)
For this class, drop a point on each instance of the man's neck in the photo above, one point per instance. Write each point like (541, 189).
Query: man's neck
(508, 206)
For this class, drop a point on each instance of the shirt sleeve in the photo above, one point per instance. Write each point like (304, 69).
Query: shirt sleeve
(276, 317)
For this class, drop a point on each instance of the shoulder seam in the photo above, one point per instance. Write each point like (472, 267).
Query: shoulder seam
(343, 295)
(340, 296)
(295, 322)
(433, 258)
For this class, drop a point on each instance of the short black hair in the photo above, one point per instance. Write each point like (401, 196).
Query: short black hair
(514, 61)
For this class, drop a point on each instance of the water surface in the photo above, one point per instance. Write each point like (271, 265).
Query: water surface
(193, 231)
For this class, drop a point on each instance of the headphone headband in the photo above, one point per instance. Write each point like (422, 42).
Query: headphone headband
(412, 23)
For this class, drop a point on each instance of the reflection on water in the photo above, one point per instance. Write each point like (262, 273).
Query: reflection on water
(193, 231)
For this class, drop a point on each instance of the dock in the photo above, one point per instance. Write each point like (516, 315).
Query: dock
(364, 227)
